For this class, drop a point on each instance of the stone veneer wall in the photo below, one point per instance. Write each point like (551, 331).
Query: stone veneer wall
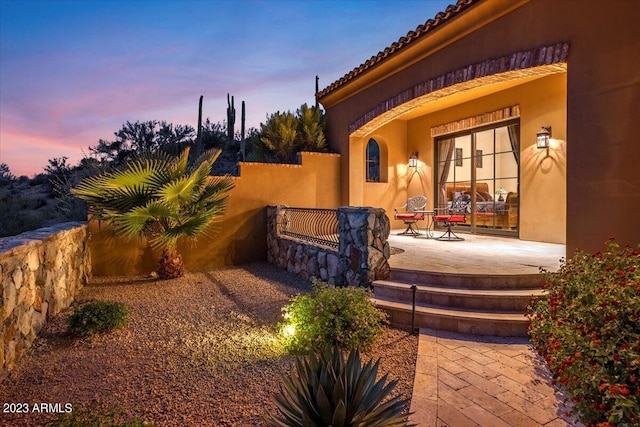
(41, 273)
(361, 258)
(364, 250)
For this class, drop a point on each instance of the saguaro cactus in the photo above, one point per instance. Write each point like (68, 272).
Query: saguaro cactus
(231, 118)
(317, 79)
(243, 143)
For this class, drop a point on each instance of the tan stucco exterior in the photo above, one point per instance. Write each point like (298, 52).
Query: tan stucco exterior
(588, 188)
(582, 191)
(241, 233)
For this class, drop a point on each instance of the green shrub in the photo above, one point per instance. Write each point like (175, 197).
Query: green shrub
(97, 316)
(331, 392)
(587, 329)
(331, 316)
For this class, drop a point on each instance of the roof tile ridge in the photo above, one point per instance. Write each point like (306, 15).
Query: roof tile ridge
(421, 30)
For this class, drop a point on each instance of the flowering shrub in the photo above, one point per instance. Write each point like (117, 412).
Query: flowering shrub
(331, 316)
(587, 329)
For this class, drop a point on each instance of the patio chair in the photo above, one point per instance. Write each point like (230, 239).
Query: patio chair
(410, 217)
(454, 214)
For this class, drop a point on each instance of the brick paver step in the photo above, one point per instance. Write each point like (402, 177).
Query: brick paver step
(467, 280)
(466, 321)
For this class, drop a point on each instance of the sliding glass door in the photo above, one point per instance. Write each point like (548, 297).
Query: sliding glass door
(479, 169)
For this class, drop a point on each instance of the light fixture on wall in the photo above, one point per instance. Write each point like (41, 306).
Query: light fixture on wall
(413, 160)
(543, 137)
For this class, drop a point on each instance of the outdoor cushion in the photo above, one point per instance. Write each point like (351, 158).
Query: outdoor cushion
(410, 216)
(449, 218)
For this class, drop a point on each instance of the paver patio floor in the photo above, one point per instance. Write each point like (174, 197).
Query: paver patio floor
(464, 380)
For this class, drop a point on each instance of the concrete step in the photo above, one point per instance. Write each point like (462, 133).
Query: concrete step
(468, 280)
(466, 321)
(476, 299)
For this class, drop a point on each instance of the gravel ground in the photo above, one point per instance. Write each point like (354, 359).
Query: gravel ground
(200, 350)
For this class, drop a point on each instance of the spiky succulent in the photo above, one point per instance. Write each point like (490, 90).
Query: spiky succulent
(328, 391)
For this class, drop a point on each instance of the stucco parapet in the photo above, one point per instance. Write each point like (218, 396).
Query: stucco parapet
(255, 164)
(12, 245)
(319, 153)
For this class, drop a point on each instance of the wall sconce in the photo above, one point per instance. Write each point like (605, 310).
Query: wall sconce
(413, 160)
(543, 137)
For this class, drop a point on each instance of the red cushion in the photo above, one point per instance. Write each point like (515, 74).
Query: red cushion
(449, 218)
(410, 216)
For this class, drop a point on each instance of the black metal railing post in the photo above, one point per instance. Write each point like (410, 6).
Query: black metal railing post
(413, 309)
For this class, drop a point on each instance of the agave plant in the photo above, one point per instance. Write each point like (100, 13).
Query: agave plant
(331, 392)
(161, 197)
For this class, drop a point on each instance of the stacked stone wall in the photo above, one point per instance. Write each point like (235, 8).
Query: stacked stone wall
(364, 249)
(41, 272)
(361, 258)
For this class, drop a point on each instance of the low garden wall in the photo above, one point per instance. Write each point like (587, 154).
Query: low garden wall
(297, 256)
(41, 273)
(362, 255)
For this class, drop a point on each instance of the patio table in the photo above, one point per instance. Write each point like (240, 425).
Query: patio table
(428, 215)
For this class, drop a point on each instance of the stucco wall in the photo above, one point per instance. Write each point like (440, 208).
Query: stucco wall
(392, 191)
(241, 233)
(602, 95)
(41, 272)
(542, 173)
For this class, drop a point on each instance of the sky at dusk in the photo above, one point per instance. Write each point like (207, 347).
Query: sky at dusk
(72, 72)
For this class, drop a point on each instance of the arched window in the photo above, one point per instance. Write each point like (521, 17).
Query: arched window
(373, 161)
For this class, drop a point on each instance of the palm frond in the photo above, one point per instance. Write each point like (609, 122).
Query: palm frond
(209, 156)
(134, 222)
(179, 164)
(159, 196)
(178, 191)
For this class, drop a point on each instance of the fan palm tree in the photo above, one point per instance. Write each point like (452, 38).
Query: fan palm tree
(160, 197)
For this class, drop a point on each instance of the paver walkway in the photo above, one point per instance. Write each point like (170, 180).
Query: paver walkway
(464, 380)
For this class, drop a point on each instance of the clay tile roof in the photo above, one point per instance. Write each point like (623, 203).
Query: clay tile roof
(421, 31)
